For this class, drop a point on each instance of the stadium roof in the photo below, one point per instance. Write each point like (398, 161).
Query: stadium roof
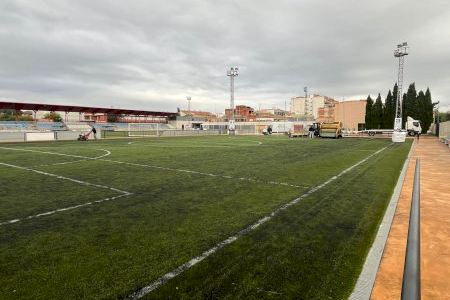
(81, 109)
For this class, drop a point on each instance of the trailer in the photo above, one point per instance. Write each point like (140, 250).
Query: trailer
(412, 127)
(299, 131)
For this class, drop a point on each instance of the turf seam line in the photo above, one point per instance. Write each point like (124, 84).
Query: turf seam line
(123, 193)
(180, 269)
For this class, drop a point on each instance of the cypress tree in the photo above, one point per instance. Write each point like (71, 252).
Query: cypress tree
(377, 109)
(428, 107)
(368, 118)
(410, 103)
(421, 109)
(389, 111)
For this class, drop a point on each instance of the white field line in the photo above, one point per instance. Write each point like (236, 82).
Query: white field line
(62, 154)
(180, 269)
(122, 193)
(154, 167)
(63, 209)
(204, 174)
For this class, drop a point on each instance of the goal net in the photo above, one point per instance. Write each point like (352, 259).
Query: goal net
(143, 129)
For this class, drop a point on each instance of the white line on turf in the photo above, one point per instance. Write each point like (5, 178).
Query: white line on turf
(122, 193)
(65, 178)
(157, 167)
(63, 209)
(204, 174)
(180, 269)
(62, 154)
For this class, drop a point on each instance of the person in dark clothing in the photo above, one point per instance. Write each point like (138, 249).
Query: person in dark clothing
(94, 131)
(311, 132)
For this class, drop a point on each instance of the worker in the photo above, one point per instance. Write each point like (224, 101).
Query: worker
(94, 131)
(311, 132)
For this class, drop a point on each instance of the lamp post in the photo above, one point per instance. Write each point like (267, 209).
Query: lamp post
(233, 72)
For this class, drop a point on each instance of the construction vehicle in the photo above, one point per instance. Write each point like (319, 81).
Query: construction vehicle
(332, 130)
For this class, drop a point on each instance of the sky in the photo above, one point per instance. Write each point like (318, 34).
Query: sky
(153, 54)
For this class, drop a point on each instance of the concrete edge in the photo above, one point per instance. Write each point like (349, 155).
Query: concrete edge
(366, 280)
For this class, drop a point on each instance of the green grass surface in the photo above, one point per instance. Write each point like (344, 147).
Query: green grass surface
(315, 249)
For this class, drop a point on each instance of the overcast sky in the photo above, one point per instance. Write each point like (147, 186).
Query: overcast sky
(152, 54)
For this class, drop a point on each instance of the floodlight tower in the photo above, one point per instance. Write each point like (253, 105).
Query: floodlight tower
(400, 52)
(188, 98)
(233, 72)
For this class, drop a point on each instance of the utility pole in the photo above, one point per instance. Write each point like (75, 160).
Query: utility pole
(233, 72)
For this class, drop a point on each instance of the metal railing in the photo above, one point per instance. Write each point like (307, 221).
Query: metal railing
(411, 271)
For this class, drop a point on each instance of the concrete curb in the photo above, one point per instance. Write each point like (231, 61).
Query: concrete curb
(366, 279)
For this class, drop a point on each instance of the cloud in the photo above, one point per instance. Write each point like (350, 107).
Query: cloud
(152, 54)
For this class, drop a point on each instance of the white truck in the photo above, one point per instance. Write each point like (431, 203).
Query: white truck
(413, 126)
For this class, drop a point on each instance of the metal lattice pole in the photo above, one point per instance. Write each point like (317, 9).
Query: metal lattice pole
(400, 52)
(233, 72)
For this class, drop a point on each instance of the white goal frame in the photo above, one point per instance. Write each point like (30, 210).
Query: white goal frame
(139, 130)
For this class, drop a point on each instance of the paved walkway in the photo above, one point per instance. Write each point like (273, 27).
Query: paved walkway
(435, 227)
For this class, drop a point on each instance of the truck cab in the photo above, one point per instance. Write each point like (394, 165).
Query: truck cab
(413, 126)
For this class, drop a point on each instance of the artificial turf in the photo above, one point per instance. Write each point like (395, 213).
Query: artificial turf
(315, 249)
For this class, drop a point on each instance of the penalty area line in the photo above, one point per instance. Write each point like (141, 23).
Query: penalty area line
(186, 266)
(121, 192)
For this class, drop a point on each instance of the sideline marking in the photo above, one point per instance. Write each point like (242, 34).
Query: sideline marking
(180, 269)
(122, 193)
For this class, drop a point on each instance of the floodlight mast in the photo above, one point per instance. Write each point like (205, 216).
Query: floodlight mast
(400, 52)
(188, 98)
(233, 72)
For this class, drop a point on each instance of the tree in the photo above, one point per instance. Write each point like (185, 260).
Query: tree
(368, 118)
(389, 111)
(53, 116)
(14, 115)
(426, 107)
(377, 113)
(410, 107)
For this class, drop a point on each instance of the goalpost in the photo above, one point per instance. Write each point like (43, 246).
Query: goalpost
(143, 129)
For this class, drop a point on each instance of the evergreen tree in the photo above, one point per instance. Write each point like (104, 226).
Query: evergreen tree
(368, 118)
(410, 103)
(377, 113)
(389, 111)
(427, 108)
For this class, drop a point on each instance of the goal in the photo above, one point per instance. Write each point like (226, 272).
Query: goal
(143, 129)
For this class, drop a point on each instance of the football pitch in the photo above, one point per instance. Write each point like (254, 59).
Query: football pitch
(191, 217)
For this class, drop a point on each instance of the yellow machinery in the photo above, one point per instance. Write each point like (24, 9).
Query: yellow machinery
(331, 130)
